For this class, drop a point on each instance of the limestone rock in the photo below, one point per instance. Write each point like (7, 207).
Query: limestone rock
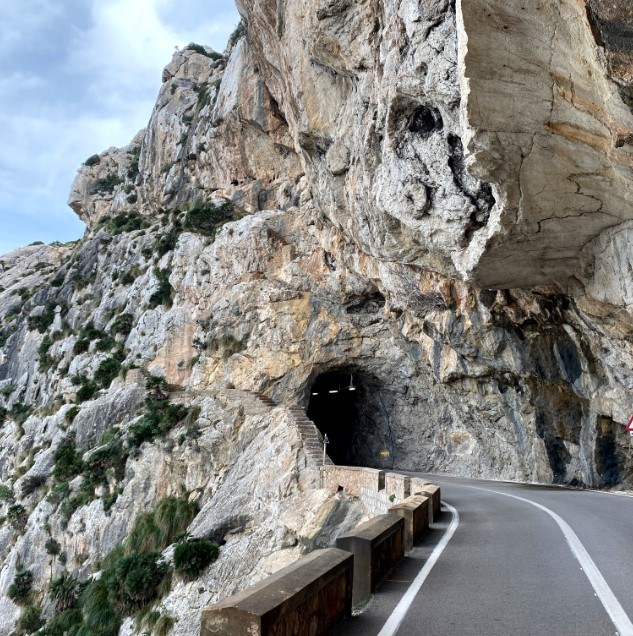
(375, 178)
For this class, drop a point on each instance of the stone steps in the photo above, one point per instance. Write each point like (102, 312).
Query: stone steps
(311, 437)
(253, 403)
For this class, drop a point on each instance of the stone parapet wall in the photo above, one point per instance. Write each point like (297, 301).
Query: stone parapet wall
(376, 502)
(353, 479)
(309, 596)
(398, 485)
(377, 489)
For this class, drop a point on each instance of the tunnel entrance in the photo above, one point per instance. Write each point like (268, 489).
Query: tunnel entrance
(347, 405)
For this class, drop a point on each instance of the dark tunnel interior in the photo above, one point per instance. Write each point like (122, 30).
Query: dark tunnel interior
(347, 405)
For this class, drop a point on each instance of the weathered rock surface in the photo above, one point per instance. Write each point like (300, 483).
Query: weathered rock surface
(378, 177)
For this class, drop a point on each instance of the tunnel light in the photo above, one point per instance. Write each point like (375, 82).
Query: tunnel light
(333, 391)
(351, 388)
(315, 393)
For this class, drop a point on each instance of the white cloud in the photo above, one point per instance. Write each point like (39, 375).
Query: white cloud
(21, 21)
(21, 81)
(96, 91)
(129, 43)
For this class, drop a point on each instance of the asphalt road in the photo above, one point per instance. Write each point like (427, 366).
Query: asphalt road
(509, 569)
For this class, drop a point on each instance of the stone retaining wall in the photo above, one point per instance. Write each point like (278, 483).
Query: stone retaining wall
(377, 489)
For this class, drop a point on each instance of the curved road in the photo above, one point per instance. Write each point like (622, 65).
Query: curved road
(509, 569)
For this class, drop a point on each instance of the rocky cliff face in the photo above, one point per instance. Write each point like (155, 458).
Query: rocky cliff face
(429, 203)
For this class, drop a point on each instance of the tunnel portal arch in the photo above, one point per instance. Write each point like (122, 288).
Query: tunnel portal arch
(347, 405)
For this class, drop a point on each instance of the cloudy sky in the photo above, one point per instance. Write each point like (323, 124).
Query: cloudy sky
(79, 76)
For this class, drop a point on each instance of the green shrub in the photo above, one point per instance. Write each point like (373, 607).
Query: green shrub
(155, 623)
(44, 358)
(105, 343)
(105, 185)
(202, 91)
(132, 576)
(154, 531)
(68, 462)
(65, 590)
(227, 345)
(14, 311)
(192, 556)
(20, 412)
(70, 505)
(109, 457)
(17, 516)
(86, 391)
(58, 493)
(20, 589)
(123, 324)
(172, 516)
(77, 380)
(208, 218)
(110, 499)
(81, 346)
(133, 169)
(44, 320)
(129, 221)
(30, 620)
(144, 536)
(4, 414)
(127, 583)
(71, 414)
(198, 48)
(163, 295)
(53, 548)
(131, 275)
(90, 332)
(99, 616)
(157, 388)
(107, 370)
(168, 241)
(82, 281)
(240, 31)
(63, 623)
(139, 575)
(6, 390)
(6, 493)
(93, 160)
(160, 417)
(145, 430)
(31, 483)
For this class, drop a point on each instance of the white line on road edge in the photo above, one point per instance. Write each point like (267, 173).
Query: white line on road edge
(616, 612)
(397, 616)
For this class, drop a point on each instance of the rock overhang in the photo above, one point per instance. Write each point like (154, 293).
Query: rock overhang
(525, 89)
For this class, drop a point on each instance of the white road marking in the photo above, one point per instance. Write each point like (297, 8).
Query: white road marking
(400, 611)
(616, 612)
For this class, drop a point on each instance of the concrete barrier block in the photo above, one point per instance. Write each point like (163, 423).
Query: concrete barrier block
(434, 492)
(415, 512)
(377, 545)
(417, 483)
(309, 596)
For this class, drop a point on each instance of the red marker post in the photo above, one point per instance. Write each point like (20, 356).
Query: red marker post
(629, 426)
